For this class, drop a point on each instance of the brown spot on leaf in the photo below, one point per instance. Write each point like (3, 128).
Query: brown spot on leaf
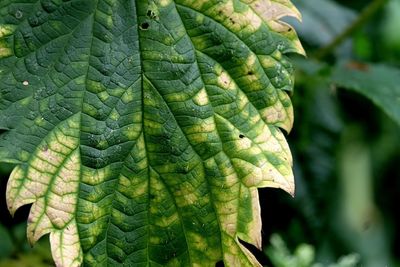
(357, 66)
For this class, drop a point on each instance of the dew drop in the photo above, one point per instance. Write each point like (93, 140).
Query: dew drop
(26, 33)
(49, 6)
(33, 21)
(38, 94)
(25, 83)
(91, 138)
(18, 14)
(277, 80)
(280, 46)
(32, 115)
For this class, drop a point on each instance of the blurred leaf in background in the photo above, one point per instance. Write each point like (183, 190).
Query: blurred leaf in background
(379, 83)
(303, 256)
(322, 21)
(390, 32)
(346, 138)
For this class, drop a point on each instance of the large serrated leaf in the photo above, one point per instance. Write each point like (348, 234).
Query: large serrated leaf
(142, 129)
(377, 82)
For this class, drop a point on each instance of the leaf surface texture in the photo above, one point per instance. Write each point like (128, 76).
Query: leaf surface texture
(141, 130)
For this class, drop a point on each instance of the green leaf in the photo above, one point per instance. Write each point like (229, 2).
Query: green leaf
(379, 83)
(6, 244)
(142, 129)
(318, 28)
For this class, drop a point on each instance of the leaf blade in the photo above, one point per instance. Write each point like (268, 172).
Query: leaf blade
(173, 131)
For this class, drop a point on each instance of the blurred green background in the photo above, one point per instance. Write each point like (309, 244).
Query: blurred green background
(345, 144)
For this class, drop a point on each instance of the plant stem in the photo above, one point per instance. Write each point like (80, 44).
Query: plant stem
(364, 16)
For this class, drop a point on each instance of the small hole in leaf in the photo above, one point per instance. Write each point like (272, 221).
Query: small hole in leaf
(220, 264)
(144, 26)
(250, 73)
(241, 136)
(150, 14)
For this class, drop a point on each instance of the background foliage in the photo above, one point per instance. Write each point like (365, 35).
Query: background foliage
(345, 144)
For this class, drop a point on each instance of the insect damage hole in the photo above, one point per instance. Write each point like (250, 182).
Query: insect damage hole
(151, 14)
(241, 136)
(144, 26)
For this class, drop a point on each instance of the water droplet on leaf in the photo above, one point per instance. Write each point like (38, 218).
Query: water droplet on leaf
(18, 14)
(33, 21)
(280, 46)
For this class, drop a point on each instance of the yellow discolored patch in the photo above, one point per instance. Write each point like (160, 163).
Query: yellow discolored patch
(40, 121)
(95, 87)
(278, 115)
(132, 131)
(206, 126)
(273, 9)
(187, 199)
(253, 20)
(198, 241)
(24, 155)
(103, 95)
(176, 97)
(114, 115)
(133, 186)
(251, 60)
(267, 61)
(195, 4)
(201, 98)
(7, 29)
(105, 19)
(164, 3)
(166, 221)
(200, 18)
(168, 41)
(127, 96)
(51, 181)
(95, 177)
(66, 249)
(225, 81)
(48, 155)
(155, 240)
(5, 51)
